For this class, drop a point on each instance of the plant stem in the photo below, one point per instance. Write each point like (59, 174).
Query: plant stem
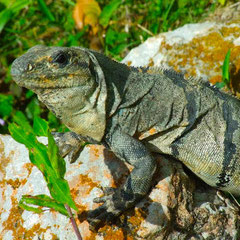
(74, 224)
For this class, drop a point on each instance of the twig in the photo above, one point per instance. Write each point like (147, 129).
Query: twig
(145, 30)
(74, 224)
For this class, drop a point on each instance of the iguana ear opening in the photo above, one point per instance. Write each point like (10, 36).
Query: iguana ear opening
(92, 70)
(95, 68)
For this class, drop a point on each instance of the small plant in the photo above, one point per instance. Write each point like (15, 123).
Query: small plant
(49, 162)
(225, 72)
(11, 8)
(225, 69)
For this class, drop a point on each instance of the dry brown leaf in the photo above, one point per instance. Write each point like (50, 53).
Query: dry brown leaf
(87, 12)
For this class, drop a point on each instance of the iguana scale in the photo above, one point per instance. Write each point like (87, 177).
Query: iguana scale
(134, 113)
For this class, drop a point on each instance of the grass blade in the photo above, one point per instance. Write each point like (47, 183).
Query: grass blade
(5, 16)
(44, 8)
(225, 69)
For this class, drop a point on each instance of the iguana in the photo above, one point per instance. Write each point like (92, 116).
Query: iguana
(133, 113)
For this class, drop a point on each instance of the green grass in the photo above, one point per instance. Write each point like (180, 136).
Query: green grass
(122, 26)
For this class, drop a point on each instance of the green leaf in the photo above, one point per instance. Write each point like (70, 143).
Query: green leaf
(166, 14)
(29, 208)
(57, 161)
(113, 37)
(5, 16)
(47, 159)
(220, 85)
(72, 3)
(225, 68)
(18, 5)
(20, 135)
(54, 123)
(40, 127)
(108, 11)
(42, 201)
(60, 191)
(182, 3)
(22, 121)
(52, 120)
(222, 2)
(37, 151)
(38, 156)
(44, 8)
(29, 94)
(6, 105)
(119, 48)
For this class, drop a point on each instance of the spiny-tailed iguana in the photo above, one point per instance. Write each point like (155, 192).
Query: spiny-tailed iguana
(135, 113)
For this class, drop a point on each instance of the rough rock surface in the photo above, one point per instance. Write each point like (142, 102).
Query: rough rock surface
(198, 49)
(178, 207)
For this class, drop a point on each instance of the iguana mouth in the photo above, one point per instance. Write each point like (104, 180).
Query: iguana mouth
(39, 82)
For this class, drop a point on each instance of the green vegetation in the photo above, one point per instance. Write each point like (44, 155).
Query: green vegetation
(46, 159)
(111, 26)
(225, 72)
(49, 162)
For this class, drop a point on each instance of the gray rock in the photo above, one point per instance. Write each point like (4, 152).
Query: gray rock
(179, 206)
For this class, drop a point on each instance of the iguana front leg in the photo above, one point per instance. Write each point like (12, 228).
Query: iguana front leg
(137, 184)
(69, 143)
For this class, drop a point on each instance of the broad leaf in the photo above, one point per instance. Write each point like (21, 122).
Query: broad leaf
(57, 161)
(22, 121)
(42, 201)
(38, 156)
(20, 135)
(40, 127)
(48, 161)
(60, 191)
(87, 12)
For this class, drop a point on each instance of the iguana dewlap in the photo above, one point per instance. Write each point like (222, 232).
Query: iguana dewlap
(135, 113)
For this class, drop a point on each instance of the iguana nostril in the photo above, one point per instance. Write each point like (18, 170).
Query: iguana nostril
(18, 68)
(29, 67)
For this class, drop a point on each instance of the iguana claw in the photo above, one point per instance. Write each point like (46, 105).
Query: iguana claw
(112, 207)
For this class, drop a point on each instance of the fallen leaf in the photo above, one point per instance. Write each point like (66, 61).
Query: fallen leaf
(87, 12)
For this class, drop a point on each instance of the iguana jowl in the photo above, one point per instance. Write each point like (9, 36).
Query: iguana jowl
(133, 113)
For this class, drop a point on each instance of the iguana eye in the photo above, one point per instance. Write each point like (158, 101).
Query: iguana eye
(61, 58)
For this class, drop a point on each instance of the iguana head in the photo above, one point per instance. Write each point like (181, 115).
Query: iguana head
(53, 67)
(71, 84)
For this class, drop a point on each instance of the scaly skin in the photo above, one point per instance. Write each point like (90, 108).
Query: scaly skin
(134, 113)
